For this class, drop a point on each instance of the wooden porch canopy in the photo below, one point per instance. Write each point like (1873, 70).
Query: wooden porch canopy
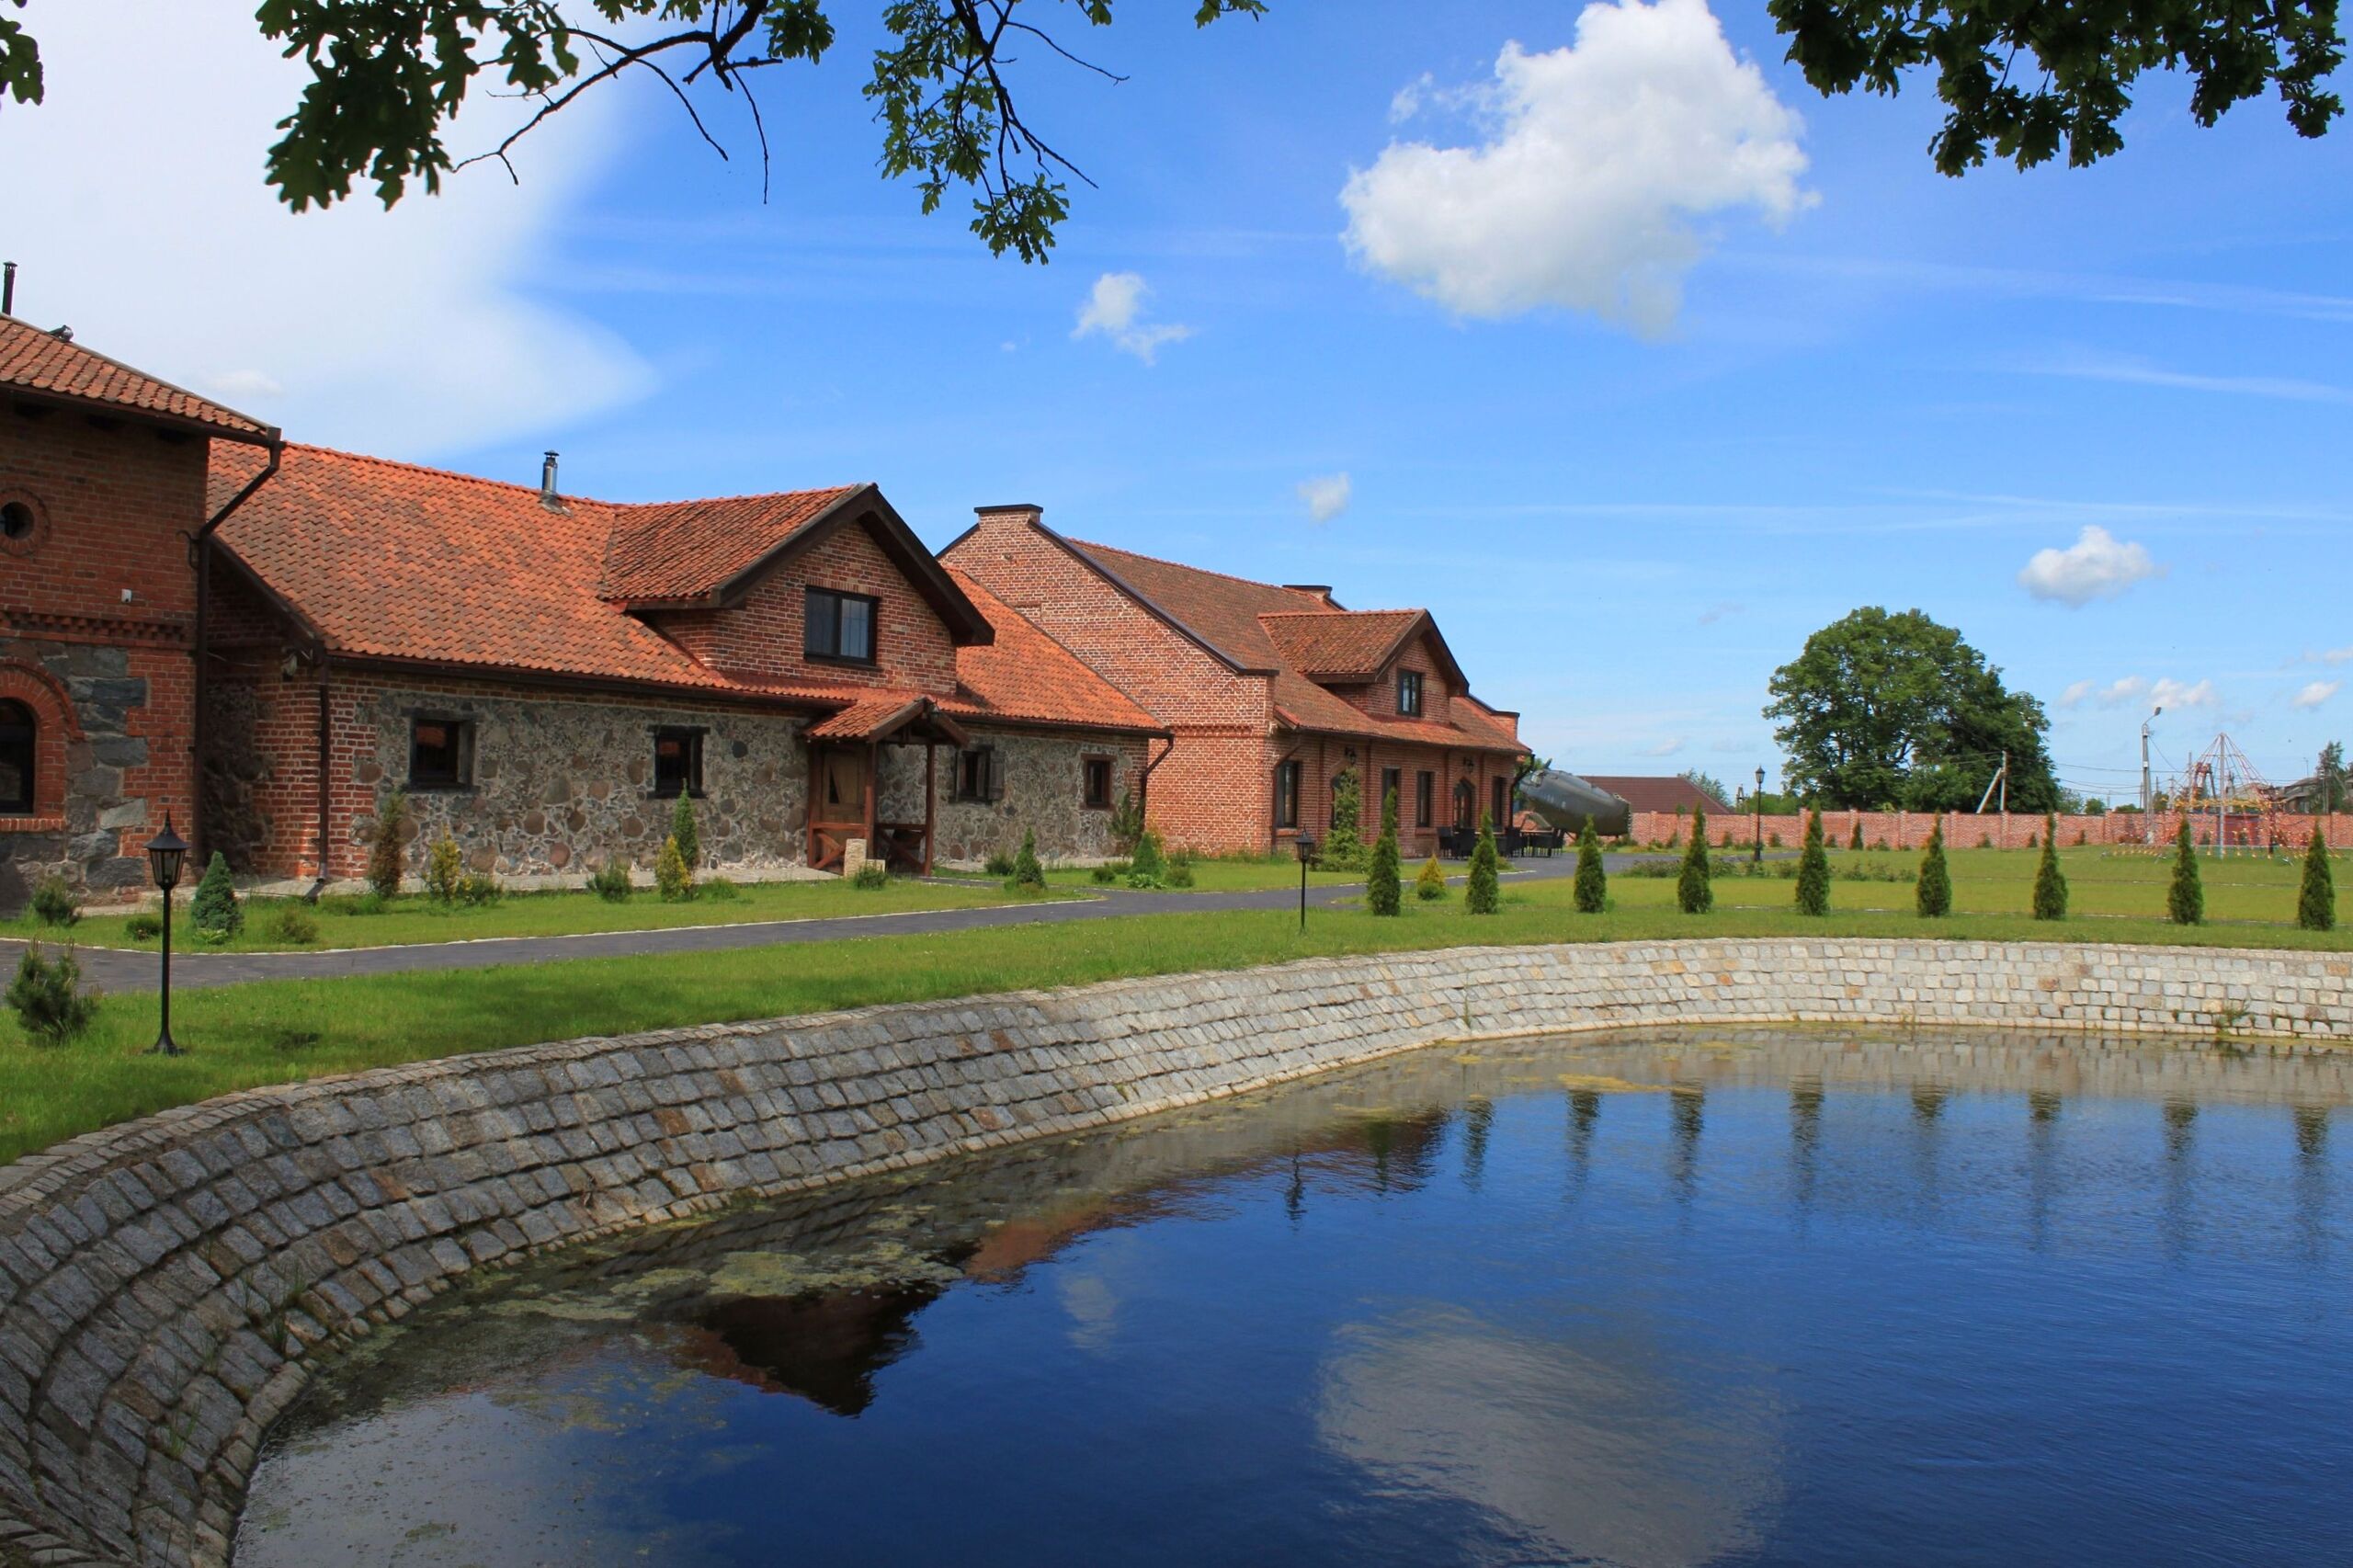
(844, 758)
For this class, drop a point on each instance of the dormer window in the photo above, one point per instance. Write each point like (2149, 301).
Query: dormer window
(840, 626)
(1409, 693)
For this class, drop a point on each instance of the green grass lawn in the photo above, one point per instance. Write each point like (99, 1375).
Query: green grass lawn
(413, 917)
(285, 1031)
(1223, 875)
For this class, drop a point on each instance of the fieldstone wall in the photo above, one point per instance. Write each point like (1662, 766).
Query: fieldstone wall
(164, 1283)
(1044, 789)
(119, 779)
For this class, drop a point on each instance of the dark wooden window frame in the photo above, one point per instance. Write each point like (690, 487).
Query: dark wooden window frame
(830, 653)
(1425, 798)
(1088, 797)
(689, 772)
(20, 745)
(1499, 801)
(1409, 693)
(1291, 779)
(1392, 779)
(435, 779)
(979, 777)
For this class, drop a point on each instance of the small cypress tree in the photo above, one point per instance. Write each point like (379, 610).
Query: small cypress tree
(2316, 900)
(1429, 882)
(1383, 894)
(2186, 899)
(2049, 882)
(687, 831)
(1814, 870)
(1483, 896)
(1932, 895)
(1855, 840)
(443, 871)
(214, 910)
(1126, 823)
(384, 845)
(1343, 846)
(1694, 894)
(1030, 877)
(1148, 869)
(1593, 883)
(672, 876)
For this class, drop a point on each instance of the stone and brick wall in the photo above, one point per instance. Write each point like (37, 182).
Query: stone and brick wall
(1970, 830)
(1044, 793)
(164, 1283)
(97, 607)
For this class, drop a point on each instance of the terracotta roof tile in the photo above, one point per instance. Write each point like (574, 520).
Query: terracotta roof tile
(1651, 793)
(45, 363)
(1024, 674)
(1346, 645)
(866, 718)
(679, 550)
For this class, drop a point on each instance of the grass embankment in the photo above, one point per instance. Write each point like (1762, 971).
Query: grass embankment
(413, 918)
(286, 1030)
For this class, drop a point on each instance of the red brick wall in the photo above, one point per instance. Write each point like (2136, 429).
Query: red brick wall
(1379, 697)
(1968, 830)
(764, 635)
(1324, 756)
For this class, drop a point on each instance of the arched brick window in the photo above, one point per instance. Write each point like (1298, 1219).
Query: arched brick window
(1466, 805)
(36, 723)
(19, 738)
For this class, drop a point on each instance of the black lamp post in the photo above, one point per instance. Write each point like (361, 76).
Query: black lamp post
(1305, 844)
(1757, 849)
(165, 853)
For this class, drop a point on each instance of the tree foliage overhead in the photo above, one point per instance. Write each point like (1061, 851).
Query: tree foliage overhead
(2023, 79)
(389, 76)
(1895, 710)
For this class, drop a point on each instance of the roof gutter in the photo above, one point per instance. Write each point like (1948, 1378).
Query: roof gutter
(200, 560)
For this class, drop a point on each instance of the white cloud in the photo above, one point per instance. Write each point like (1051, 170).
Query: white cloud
(2129, 372)
(1114, 308)
(1663, 748)
(2140, 690)
(2096, 566)
(2075, 694)
(410, 333)
(1716, 612)
(1326, 496)
(1597, 156)
(2318, 692)
(2332, 656)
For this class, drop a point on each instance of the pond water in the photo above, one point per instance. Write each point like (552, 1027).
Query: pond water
(1670, 1298)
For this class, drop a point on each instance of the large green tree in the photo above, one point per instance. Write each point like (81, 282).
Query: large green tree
(388, 76)
(2335, 790)
(1882, 709)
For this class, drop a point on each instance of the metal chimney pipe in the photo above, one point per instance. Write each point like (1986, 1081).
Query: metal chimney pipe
(547, 481)
(8, 289)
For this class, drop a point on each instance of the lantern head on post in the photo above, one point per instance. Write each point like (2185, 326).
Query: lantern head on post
(167, 852)
(1305, 844)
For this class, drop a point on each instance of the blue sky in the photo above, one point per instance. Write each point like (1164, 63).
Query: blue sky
(1879, 385)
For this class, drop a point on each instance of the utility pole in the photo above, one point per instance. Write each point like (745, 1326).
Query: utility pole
(2148, 794)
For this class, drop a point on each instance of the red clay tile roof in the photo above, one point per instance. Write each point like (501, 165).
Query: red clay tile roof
(680, 550)
(1343, 645)
(1239, 619)
(51, 366)
(1026, 674)
(880, 718)
(1647, 792)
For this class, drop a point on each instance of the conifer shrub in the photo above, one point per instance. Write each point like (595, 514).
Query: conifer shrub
(1814, 870)
(1592, 889)
(2186, 898)
(672, 878)
(2049, 882)
(444, 870)
(1029, 875)
(55, 902)
(1429, 882)
(214, 910)
(1483, 895)
(872, 877)
(2316, 897)
(999, 864)
(1126, 823)
(1854, 839)
(1384, 893)
(1932, 893)
(384, 846)
(610, 881)
(1693, 893)
(1180, 873)
(1343, 844)
(1148, 868)
(1108, 873)
(48, 998)
(687, 831)
(478, 890)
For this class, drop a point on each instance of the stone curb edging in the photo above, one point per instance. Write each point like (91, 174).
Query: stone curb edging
(164, 1283)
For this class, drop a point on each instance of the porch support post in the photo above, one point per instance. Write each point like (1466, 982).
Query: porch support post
(931, 803)
(809, 813)
(873, 770)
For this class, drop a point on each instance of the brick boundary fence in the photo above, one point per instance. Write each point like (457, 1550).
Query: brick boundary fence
(1998, 830)
(164, 1283)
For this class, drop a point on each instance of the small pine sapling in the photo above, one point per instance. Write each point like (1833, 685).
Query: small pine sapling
(1429, 882)
(686, 829)
(2186, 899)
(214, 910)
(671, 876)
(1854, 839)
(55, 902)
(1483, 895)
(1814, 870)
(48, 998)
(2316, 899)
(1592, 889)
(444, 870)
(384, 846)
(1932, 894)
(1029, 875)
(2049, 882)
(1382, 894)
(1149, 866)
(1693, 892)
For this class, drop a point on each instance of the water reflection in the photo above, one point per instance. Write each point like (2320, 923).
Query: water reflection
(2006, 1338)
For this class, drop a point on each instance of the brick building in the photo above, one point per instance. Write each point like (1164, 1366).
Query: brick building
(1270, 691)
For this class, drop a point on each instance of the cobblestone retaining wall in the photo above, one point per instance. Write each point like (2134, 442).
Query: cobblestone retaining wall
(162, 1283)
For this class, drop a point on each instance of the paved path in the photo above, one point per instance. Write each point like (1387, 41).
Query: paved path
(121, 970)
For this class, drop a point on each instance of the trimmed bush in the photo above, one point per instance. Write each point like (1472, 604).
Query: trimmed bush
(1149, 866)
(1429, 882)
(1483, 895)
(687, 831)
(998, 865)
(872, 876)
(444, 870)
(1693, 894)
(2316, 898)
(384, 846)
(55, 902)
(48, 998)
(671, 878)
(1854, 839)
(1593, 881)
(2049, 882)
(214, 910)
(294, 925)
(2186, 898)
(1343, 844)
(1814, 870)
(1932, 893)
(610, 881)
(145, 926)
(720, 890)
(1382, 894)
(1104, 876)
(478, 890)
(1027, 875)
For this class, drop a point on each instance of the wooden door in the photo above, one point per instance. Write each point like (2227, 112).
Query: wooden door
(837, 803)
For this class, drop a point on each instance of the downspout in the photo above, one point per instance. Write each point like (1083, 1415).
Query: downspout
(201, 558)
(1143, 780)
(325, 731)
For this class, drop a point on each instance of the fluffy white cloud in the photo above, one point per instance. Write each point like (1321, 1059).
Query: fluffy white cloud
(2333, 656)
(2318, 692)
(2074, 696)
(136, 203)
(1326, 496)
(2099, 565)
(1664, 748)
(2164, 692)
(1596, 159)
(1114, 308)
